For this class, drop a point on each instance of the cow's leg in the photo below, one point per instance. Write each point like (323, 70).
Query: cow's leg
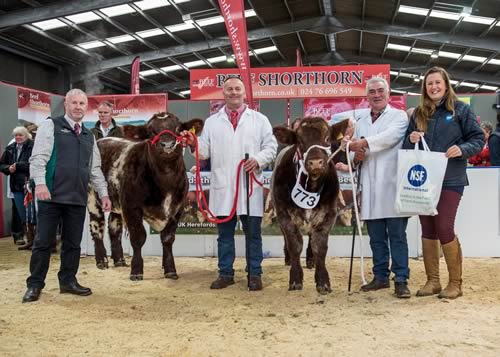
(167, 239)
(133, 218)
(285, 250)
(309, 255)
(96, 224)
(294, 244)
(320, 247)
(115, 230)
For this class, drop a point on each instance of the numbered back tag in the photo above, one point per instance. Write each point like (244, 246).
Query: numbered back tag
(303, 198)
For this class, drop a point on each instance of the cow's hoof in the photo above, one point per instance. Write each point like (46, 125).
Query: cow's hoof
(309, 264)
(121, 263)
(136, 277)
(323, 289)
(171, 275)
(295, 286)
(102, 265)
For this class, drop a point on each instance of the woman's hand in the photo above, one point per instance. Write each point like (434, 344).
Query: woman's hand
(453, 151)
(415, 136)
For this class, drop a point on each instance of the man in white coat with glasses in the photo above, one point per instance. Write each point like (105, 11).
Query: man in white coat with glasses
(378, 136)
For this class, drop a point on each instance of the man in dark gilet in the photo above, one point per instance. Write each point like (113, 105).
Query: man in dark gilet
(65, 159)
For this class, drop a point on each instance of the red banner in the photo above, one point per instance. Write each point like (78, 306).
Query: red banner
(134, 76)
(291, 82)
(233, 12)
(128, 109)
(32, 105)
(327, 107)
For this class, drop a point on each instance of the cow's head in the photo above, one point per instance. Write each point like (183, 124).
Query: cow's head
(166, 142)
(312, 139)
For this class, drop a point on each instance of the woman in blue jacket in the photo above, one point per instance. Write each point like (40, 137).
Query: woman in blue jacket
(447, 125)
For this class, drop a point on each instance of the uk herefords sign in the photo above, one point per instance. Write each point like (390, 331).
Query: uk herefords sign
(291, 82)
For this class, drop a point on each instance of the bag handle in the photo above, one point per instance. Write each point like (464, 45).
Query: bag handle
(424, 144)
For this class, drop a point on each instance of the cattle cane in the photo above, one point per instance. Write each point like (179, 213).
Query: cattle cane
(249, 229)
(353, 224)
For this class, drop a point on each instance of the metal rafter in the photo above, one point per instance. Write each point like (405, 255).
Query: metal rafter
(363, 10)
(396, 11)
(301, 43)
(428, 14)
(318, 25)
(256, 14)
(409, 51)
(459, 59)
(493, 55)
(52, 11)
(279, 51)
(290, 13)
(492, 26)
(360, 42)
(385, 46)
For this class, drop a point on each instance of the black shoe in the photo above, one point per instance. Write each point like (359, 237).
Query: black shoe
(401, 290)
(375, 285)
(75, 289)
(32, 294)
(255, 283)
(221, 282)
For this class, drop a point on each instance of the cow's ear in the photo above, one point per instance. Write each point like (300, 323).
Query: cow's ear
(135, 132)
(337, 130)
(285, 135)
(195, 125)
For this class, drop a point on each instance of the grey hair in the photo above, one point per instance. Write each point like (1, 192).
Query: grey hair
(106, 104)
(74, 91)
(23, 131)
(377, 80)
(486, 126)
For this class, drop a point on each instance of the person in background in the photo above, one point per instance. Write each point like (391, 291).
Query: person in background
(227, 135)
(15, 164)
(483, 158)
(494, 144)
(106, 126)
(378, 136)
(449, 126)
(65, 160)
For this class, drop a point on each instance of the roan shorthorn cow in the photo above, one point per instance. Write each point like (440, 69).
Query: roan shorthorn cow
(146, 181)
(304, 190)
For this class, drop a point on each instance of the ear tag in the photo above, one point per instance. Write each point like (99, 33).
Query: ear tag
(192, 130)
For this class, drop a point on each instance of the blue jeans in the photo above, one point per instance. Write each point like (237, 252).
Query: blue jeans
(385, 233)
(225, 245)
(21, 210)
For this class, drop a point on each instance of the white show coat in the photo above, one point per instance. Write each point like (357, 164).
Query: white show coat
(379, 170)
(226, 147)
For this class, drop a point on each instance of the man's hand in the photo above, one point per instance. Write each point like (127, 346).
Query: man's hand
(339, 166)
(453, 151)
(106, 204)
(189, 137)
(12, 168)
(415, 136)
(250, 165)
(358, 145)
(359, 156)
(42, 192)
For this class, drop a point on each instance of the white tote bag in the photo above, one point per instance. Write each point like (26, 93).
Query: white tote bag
(420, 179)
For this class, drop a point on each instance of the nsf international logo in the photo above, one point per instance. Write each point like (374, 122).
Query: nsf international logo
(417, 175)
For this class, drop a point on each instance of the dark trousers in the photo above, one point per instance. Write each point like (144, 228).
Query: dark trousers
(226, 250)
(16, 225)
(49, 216)
(442, 225)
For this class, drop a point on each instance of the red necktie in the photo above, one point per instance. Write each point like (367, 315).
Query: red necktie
(234, 119)
(77, 129)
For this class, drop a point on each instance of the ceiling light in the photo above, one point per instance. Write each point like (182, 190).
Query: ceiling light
(398, 91)
(91, 44)
(413, 93)
(230, 59)
(434, 54)
(413, 10)
(185, 92)
(449, 54)
(422, 51)
(175, 67)
(180, 27)
(393, 73)
(260, 51)
(49, 24)
(466, 12)
(148, 72)
(83, 17)
(479, 20)
(494, 61)
(151, 4)
(445, 15)
(484, 86)
(217, 59)
(393, 46)
(150, 33)
(474, 58)
(120, 39)
(118, 10)
(468, 84)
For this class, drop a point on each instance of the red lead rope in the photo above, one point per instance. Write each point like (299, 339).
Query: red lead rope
(200, 195)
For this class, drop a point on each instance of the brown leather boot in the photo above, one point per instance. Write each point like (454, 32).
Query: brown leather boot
(453, 256)
(431, 252)
(30, 237)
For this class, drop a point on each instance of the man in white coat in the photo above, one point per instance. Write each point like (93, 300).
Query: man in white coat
(379, 135)
(227, 135)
